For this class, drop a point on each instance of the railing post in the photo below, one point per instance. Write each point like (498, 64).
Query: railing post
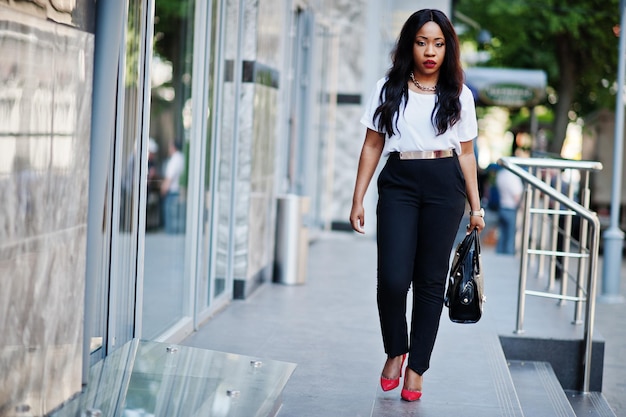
(591, 304)
(554, 235)
(585, 198)
(523, 270)
(544, 223)
(536, 221)
(614, 236)
(567, 237)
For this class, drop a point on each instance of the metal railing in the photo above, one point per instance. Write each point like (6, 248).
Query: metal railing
(549, 212)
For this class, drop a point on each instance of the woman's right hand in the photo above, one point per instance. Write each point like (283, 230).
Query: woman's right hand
(357, 218)
(370, 155)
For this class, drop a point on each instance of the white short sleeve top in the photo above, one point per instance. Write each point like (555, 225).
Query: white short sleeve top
(415, 130)
(174, 169)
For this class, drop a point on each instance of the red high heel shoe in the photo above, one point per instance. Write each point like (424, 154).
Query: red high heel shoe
(388, 384)
(410, 395)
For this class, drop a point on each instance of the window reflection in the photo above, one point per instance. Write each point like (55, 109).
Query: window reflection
(123, 185)
(166, 284)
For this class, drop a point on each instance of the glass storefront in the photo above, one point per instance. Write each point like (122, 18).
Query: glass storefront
(162, 154)
(190, 186)
(193, 161)
(157, 273)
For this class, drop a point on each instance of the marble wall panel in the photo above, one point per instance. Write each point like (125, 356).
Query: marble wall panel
(348, 20)
(348, 147)
(231, 29)
(242, 175)
(236, 127)
(77, 13)
(224, 178)
(226, 140)
(41, 305)
(256, 123)
(268, 82)
(250, 29)
(45, 108)
(271, 33)
(261, 215)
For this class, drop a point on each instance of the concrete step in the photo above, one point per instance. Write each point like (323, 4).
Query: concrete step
(541, 395)
(538, 390)
(591, 404)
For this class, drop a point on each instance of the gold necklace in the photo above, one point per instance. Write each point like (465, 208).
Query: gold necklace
(420, 86)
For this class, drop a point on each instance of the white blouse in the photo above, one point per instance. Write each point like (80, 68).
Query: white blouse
(415, 130)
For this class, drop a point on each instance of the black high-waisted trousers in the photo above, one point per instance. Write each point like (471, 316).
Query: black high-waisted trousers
(420, 207)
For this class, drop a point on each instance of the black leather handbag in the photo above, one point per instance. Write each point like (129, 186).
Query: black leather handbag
(465, 294)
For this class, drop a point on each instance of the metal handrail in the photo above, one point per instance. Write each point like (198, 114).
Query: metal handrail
(514, 164)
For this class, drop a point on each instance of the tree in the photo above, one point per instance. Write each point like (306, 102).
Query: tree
(173, 31)
(574, 41)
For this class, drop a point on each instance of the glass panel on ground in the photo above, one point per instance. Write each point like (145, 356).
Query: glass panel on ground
(158, 379)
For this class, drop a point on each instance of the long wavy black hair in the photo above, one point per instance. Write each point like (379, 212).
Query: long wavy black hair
(447, 109)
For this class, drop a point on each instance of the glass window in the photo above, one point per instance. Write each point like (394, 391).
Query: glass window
(166, 283)
(123, 185)
(212, 284)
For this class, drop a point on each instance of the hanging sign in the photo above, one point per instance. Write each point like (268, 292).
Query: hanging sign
(506, 87)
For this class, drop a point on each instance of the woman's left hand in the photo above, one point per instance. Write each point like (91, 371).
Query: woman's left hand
(476, 222)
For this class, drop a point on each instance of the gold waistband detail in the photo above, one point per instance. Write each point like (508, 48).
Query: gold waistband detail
(446, 153)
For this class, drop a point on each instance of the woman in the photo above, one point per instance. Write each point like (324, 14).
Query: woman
(423, 118)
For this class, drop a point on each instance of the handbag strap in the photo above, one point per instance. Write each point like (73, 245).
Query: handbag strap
(476, 249)
(476, 241)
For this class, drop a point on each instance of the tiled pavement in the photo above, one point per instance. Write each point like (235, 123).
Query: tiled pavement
(329, 328)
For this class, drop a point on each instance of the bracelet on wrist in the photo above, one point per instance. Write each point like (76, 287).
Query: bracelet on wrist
(480, 212)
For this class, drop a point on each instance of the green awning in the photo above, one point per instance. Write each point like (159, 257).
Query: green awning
(506, 87)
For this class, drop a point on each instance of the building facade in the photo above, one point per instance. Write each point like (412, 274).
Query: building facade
(144, 145)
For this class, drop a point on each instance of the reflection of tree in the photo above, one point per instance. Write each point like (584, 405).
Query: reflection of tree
(133, 49)
(173, 43)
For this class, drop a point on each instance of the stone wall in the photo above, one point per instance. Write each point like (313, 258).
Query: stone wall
(77, 13)
(45, 111)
